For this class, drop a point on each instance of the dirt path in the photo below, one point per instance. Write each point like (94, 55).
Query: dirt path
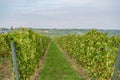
(6, 70)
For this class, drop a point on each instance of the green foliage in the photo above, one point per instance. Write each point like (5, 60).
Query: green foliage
(30, 47)
(94, 51)
(4, 49)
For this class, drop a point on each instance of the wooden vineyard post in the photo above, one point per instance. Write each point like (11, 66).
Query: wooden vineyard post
(14, 60)
(116, 65)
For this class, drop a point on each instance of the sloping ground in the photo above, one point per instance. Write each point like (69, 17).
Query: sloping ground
(57, 67)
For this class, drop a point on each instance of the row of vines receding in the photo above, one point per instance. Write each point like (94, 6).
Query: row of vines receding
(94, 51)
(30, 46)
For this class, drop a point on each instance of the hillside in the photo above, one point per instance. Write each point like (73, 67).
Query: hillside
(60, 32)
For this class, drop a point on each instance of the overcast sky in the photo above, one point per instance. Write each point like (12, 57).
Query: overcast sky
(100, 14)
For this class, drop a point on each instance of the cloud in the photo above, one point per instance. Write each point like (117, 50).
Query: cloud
(57, 13)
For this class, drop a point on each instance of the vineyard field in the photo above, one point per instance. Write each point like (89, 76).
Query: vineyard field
(30, 47)
(94, 51)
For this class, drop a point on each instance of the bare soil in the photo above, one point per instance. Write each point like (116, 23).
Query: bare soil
(6, 70)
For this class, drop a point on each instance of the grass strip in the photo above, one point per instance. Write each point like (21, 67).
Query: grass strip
(57, 67)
